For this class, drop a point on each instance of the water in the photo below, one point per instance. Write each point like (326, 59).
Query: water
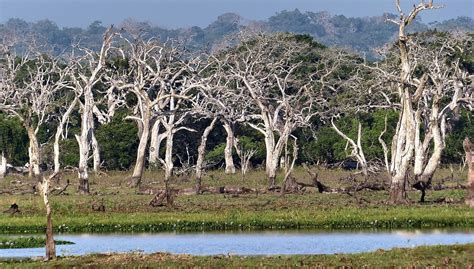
(250, 243)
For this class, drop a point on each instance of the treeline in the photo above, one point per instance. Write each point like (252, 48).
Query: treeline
(361, 35)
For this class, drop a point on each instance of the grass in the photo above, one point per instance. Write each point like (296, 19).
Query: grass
(128, 212)
(27, 242)
(458, 256)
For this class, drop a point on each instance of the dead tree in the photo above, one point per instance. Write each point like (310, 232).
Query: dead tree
(443, 90)
(403, 142)
(63, 118)
(44, 189)
(469, 150)
(357, 150)
(432, 88)
(201, 152)
(245, 155)
(229, 146)
(29, 86)
(161, 77)
(279, 101)
(289, 183)
(403, 147)
(88, 70)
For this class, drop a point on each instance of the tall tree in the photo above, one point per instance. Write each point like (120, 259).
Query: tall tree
(87, 73)
(285, 80)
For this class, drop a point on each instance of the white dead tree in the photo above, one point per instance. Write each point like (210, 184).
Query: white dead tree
(30, 83)
(88, 71)
(63, 118)
(173, 118)
(201, 154)
(356, 147)
(160, 78)
(444, 88)
(267, 74)
(222, 102)
(245, 155)
(403, 142)
(430, 88)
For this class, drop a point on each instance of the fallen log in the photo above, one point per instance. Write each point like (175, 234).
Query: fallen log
(13, 209)
(316, 183)
(61, 190)
(164, 198)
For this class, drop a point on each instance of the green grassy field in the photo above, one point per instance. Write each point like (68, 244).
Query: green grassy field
(127, 211)
(459, 256)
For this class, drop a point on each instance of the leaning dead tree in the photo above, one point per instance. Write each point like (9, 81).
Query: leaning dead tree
(87, 73)
(44, 189)
(356, 147)
(62, 115)
(443, 90)
(201, 154)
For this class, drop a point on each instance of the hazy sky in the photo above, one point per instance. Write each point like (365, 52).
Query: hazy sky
(178, 13)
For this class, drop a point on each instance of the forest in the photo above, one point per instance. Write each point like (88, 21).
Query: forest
(155, 110)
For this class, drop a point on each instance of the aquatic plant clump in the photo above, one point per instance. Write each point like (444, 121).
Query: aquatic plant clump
(27, 242)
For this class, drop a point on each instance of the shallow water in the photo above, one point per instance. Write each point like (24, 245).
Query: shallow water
(251, 243)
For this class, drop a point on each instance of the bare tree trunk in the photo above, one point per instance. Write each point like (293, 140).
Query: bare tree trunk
(469, 151)
(57, 137)
(289, 184)
(34, 153)
(140, 161)
(59, 133)
(94, 144)
(83, 142)
(402, 152)
(155, 143)
(229, 161)
(3, 166)
(201, 152)
(271, 160)
(44, 190)
(169, 155)
(95, 152)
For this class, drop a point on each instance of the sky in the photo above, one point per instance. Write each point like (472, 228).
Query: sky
(183, 13)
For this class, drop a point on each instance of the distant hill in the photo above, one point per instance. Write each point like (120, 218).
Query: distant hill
(358, 34)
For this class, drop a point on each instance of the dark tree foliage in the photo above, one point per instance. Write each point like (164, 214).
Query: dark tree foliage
(13, 140)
